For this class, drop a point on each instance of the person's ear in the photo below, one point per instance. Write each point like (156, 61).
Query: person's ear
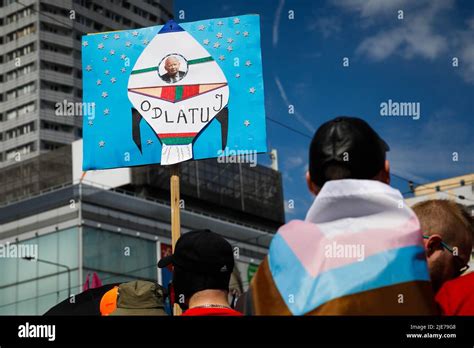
(384, 173)
(432, 244)
(312, 187)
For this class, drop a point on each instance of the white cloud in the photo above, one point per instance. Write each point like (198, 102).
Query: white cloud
(464, 43)
(293, 162)
(415, 35)
(369, 8)
(420, 34)
(327, 26)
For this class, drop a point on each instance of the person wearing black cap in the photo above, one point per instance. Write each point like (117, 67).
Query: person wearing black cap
(202, 264)
(359, 246)
(346, 148)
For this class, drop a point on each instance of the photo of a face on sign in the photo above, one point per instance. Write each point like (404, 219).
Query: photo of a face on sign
(173, 68)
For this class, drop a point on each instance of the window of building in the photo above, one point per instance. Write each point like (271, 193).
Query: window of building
(19, 131)
(20, 91)
(42, 286)
(22, 150)
(57, 127)
(24, 12)
(22, 51)
(17, 34)
(12, 114)
(21, 71)
(50, 146)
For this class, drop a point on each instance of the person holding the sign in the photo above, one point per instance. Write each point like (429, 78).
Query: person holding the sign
(202, 265)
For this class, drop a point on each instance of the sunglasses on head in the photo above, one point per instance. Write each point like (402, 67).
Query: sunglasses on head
(461, 268)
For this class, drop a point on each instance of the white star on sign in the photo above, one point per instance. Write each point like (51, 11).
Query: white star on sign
(246, 33)
(201, 27)
(237, 32)
(116, 36)
(101, 143)
(106, 72)
(216, 45)
(105, 37)
(99, 82)
(128, 44)
(237, 75)
(247, 123)
(135, 33)
(219, 35)
(90, 123)
(149, 142)
(88, 68)
(221, 57)
(106, 111)
(123, 70)
(230, 40)
(236, 21)
(220, 23)
(206, 42)
(105, 94)
(145, 42)
(105, 59)
(229, 48)
(112, 52)
(100, 46)
(123, 56)
(248, 63)
(113, 79)
(85, 43)
(252, 90)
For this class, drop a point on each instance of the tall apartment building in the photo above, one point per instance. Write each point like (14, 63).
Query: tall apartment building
(40, 65)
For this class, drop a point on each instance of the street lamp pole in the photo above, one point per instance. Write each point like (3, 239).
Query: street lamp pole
(29, 258)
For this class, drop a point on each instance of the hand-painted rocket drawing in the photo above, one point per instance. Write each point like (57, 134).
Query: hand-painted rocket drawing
(179, 102)
(172, 93)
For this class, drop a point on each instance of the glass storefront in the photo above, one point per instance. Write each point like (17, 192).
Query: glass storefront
(31, 288)
(117, 257)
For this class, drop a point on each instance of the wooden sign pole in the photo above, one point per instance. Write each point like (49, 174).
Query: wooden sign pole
(175, 215)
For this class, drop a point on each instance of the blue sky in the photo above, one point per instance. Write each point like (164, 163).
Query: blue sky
(405, 60)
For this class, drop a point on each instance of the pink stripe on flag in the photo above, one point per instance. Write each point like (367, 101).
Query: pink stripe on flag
(310, 245)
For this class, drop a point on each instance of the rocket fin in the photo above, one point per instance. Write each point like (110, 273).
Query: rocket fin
(136, 118)
(223, 118)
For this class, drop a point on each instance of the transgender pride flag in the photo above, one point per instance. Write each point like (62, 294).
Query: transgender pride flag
(359, 252)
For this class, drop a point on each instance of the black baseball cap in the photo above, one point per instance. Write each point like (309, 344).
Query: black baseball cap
(201, 251)
(348, 142)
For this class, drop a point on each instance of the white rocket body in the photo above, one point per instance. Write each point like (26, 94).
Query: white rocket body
(179, 117)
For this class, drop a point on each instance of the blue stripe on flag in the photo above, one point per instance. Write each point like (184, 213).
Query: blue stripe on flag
(302, 293)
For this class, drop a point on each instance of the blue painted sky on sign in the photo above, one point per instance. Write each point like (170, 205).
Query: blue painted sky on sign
(108, 59)
(407, 60)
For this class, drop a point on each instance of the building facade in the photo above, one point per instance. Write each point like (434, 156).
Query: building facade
(80, 229)
(40, 65)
